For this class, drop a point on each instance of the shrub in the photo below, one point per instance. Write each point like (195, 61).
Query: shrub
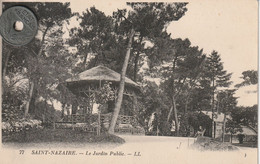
(20, 125)
(240, 138)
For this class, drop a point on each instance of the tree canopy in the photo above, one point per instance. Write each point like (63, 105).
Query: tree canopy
(178, 80)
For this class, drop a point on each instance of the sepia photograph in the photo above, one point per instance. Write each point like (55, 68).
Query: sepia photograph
(129, 81)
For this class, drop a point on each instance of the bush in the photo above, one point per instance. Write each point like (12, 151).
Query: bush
(165, 128)
(61, 135)
(240, 138)
(20, 125)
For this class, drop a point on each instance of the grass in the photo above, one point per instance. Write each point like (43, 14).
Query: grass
(59, 135)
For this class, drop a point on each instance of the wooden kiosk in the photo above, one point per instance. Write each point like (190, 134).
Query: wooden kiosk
(85, 84)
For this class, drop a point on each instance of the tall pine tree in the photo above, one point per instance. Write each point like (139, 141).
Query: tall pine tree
(218, 77)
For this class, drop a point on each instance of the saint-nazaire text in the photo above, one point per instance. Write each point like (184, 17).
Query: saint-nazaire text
(88, 153)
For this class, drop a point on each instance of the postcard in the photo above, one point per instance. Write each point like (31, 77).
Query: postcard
(129, 81)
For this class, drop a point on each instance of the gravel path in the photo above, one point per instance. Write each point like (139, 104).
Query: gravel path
(137, 149)
(161, 149)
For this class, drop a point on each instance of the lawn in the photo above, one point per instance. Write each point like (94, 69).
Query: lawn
(59, 135)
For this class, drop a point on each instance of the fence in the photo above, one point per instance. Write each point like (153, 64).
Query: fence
(89, 122)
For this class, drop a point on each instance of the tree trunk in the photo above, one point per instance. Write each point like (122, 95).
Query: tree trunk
(213, 102)
(136, 66)
(4, 68)
(224, 127)
(169, 114)
(6, 63)
(176, 116)
(32, 107)
(45, 111)
(32, 88)
(85, 60)
(173, 70)
(121, 85)
(136, 61)
(29, 99)
(135, 108)
(186, 104)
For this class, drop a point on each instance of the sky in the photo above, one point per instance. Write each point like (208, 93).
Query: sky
(229, 27)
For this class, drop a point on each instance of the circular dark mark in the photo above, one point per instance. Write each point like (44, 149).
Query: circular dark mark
(18, 26)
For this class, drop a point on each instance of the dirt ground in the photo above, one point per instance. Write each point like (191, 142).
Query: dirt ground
(136, 149)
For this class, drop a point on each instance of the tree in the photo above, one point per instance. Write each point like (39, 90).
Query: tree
(245, 115)
(226, 103)
(14, 97)
(179, 65)
(250, 77)
(101, 97)
(38, 55)
(232, 127)
(154, 103)
(196, 119)
(50, 24)
(121, 85)
(149, 20)
(218, 78)
(96, 41)
(152, 10)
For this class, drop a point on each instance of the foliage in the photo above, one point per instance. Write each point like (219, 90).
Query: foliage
(165, 128)
(226, 101)
(96, 41)
(197, 119)
(11, 112)
(175, 58)
(189, 78)
(240, 138)
(179, 65)
(149, 20)
(20, 125)
(216, 75)
(233, 127)
(250, 77)
(153, 101)
(61, 135)
(104, 94)
(215, 71)
(102, 39)
(14, 97)
(45, 62)
(245, 115)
